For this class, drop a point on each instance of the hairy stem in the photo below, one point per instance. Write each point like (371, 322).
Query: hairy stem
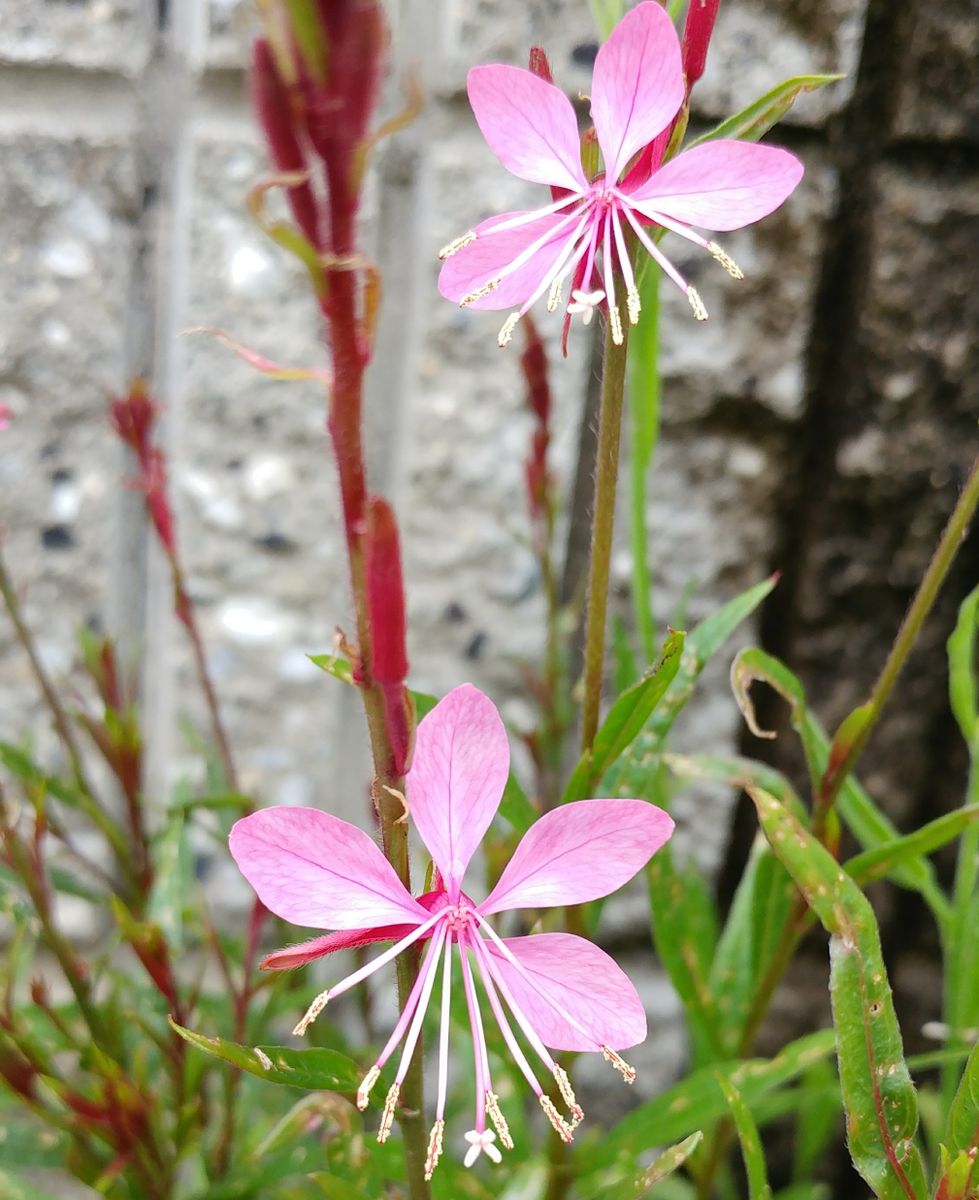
(603, 521)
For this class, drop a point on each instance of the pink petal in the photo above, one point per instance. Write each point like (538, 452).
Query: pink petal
(456, 781)
(469, 268)
(311, 868)
(529, 124)
(720, 185)
(637, 88)
(579, 852)
(320, 947)
(582, 980)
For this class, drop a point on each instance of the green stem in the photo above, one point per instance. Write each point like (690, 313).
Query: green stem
(644, 404)
(955, 938)
(603, 521)
(958, 523)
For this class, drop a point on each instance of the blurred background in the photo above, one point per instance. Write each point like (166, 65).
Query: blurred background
(820, 424)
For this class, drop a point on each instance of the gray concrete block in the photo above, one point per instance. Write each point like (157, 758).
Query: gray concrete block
(111, 35)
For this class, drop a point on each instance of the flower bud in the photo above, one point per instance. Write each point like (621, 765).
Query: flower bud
(697, 31)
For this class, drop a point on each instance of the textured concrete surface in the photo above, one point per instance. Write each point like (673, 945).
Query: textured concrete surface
(88, 130)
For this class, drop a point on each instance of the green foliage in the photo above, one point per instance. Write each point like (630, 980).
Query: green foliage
(751, 1150)
(754, 121)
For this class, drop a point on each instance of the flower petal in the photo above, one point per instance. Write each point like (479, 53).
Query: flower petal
(319, 947)
(579, 852)
(637, 88)
(582, 980)
(311, 868)
(529, 125)
(720, 185)
(468, 269)
(456, 781)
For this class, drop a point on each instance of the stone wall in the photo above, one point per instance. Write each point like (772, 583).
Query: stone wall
(819, 423)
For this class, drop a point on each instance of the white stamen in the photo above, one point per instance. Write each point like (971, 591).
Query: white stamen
(387, 1117)
(654, 251)
(726, 261)
(628, 1073)
(428, 972)
(453, 247)
(434, 1148)
(364, 1091)
(696, 304)
(506, 332)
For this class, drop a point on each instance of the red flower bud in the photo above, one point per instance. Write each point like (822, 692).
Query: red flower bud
(385, 594)
(697, 31)
(539, 65)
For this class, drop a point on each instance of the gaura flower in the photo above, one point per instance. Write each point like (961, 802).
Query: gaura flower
(560, 991)
(512, 260)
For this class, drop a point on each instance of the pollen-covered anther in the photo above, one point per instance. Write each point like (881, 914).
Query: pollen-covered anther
(633, 304)
(434, 1148)
(387, 1116)
(480, 292)
(554, 295)
(628, 1073)
(455, 246)
(726, 261)
(615, 321)
(568, 1096)
(364, 1091)
(499, 1120)
(506, 333)
(699, 311)
(561, 1127)
(312, 1013)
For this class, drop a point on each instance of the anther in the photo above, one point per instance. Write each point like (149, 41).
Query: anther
(726, 261)
(387, 1117)
(616, 323)
(554, 296)
(633, 304)
(479, 293)
(696, 304)
(453, 247)
(499, 1120)
(312, 1013)
(263, 1058)
(506, 333)
(568, 1096)
(364, 1091)
(628, 1073)
(561, 1127)
(434, 1148)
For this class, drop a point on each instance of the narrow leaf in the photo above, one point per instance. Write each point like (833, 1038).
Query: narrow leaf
(962, 668)
(751, 1151)
(754, 122)
(962, 1131)
(317, 1069)
(878, 1096)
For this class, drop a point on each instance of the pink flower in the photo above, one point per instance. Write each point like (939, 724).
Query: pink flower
(512, 260)
(562, 992)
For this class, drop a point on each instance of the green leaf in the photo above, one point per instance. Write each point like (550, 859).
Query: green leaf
(754, 122)
(697, 1101)
(878, 1095)
(14, 1187)
(889, 858)
(751, 1151)
(26, 1145)
(962, 668)
(172, 876)
(817, 1120)
(866, 822)
(962, 1131)
(317, 1069)
(662, 1167)
(625, 720)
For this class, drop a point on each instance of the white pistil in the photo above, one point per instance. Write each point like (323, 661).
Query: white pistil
(454, 247)
(499, 1120)
(364, 1091)
(726, 261)
(561, 1127)
(434, 1148)
(506, 332)
(585, 303)
(480, 292)
(699, 311)
(628, 1073)
(387, 1117)
(481, 1142)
